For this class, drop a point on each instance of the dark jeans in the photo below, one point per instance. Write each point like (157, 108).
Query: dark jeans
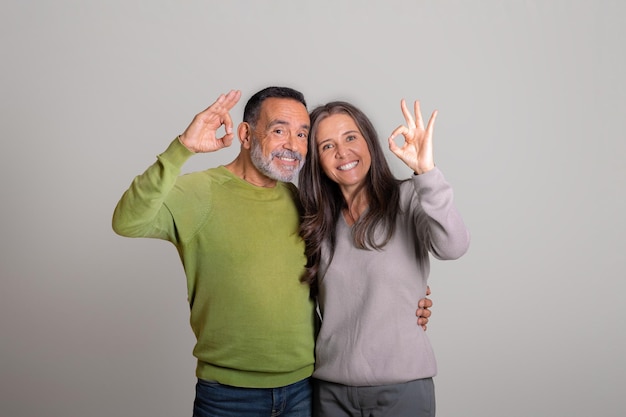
(217, 400)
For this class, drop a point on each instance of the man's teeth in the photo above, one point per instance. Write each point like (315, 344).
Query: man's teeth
(347, 166)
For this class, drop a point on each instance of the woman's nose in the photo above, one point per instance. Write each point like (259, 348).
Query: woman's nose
(340, 151)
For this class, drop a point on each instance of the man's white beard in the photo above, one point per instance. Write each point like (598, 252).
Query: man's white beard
(265, 167)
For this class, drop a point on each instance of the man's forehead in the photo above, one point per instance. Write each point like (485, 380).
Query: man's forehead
(283, 103)
(285, 111)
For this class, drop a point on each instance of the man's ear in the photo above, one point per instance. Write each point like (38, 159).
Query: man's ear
(244, 131)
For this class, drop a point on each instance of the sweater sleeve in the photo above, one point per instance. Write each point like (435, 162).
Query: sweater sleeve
(141, 211)
(449, 237)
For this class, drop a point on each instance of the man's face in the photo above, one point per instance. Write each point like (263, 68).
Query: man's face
(279, 138)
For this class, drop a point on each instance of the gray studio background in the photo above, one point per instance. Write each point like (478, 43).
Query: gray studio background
(531, 96)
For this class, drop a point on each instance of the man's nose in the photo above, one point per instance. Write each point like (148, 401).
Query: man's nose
(292, 142)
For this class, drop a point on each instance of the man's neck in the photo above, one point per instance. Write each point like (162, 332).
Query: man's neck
(243, 167)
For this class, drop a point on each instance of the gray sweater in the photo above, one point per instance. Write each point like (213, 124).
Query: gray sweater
(368, 298)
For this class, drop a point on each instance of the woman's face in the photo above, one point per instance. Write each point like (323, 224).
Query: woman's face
(343, 152)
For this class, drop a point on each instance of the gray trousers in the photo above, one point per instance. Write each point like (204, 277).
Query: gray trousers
(410, 399)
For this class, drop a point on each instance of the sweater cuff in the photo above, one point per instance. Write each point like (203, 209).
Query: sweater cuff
(176, 154)
(427, 177)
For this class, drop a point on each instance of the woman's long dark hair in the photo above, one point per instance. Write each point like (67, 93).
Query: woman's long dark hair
(322, 200)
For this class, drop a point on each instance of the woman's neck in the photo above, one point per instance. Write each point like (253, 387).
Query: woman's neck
(356, 204)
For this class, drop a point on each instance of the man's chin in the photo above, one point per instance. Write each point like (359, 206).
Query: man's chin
(285, 173)
(285, 177)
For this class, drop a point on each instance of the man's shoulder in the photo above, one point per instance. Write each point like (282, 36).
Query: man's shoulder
(291, 190)
(218, 175)
(289, 186)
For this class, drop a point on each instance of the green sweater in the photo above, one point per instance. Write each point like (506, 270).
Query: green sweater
(242, 255)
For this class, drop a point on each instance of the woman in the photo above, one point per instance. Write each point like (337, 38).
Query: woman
(368, 238)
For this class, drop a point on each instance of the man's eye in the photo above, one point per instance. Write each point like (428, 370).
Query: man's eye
(303, 135)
